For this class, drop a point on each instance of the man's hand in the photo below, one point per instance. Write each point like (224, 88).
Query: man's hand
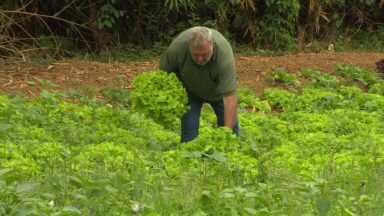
(230, 110)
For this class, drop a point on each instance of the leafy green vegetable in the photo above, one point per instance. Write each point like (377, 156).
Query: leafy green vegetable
(160, 96)
(283, 76)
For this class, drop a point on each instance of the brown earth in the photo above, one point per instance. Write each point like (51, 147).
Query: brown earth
(24, 77)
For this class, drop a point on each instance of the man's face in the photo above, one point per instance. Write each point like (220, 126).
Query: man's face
(201, 55)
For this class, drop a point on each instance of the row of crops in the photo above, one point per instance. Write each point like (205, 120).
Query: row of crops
(314, 147)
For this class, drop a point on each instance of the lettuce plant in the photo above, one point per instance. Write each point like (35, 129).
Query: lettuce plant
(160, 96)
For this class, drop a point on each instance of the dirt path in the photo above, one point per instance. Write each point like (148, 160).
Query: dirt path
(20, 77)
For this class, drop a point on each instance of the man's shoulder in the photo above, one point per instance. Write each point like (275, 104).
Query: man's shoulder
(182, 37)
(177, 48)
(223, 46)
(219, 37)
(179, 43)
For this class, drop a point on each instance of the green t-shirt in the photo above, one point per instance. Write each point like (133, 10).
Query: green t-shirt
(212, 81)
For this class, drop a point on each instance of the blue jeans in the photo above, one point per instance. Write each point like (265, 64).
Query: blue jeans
(190, 122)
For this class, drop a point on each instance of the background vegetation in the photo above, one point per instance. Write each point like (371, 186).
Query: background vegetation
(62, 28)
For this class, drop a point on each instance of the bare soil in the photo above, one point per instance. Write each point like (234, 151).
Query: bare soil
(20, 76)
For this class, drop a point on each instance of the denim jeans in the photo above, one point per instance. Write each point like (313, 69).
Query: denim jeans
(190, 122)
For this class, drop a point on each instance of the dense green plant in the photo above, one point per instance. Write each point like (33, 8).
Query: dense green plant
(283, 77)
(279, 98)
(116, 96)
(277, 33)
(320, 78)
(377, 88)
(211, 140)
(109, 14)
(311, 99)
(94, 158)
(350, 92)
(248, 100)
(160, 96)
(277, 25)
(55, 30)
(360, 40)
(353, 73)
(370, 102)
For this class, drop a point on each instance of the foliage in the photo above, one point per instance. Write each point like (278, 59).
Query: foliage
(312, 99)
(116, 96)
(128, 52)
(108, 15)
(377, 88)
(349, 92)
(279, 98)
(359, 39)
(283, 77)
(62, 29)
(248, 100)
(212, 140)
(320, 78)
(353, 73)
(160, 96)
(275, 36)
(322, 154)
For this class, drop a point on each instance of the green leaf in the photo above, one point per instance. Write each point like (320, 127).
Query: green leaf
(200, 213)
(4, 171)
(227, 195)
(116, 13)
(111, 189)
(48, 196)
(79, 196)
(25, 187)
(348, 212)
(250, 194)
(206, 203)
(71, 209)
(75, 181)
(251, 211)
(108, 23)
(227, 190)
(323, 206)
(23, 210)
(218, 156)
(264, 210)
(240, 189)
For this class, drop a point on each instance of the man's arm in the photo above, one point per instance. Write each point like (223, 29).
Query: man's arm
(230, 110)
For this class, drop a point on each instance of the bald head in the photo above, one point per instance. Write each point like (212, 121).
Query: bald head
(200, 35)
(201, 44)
